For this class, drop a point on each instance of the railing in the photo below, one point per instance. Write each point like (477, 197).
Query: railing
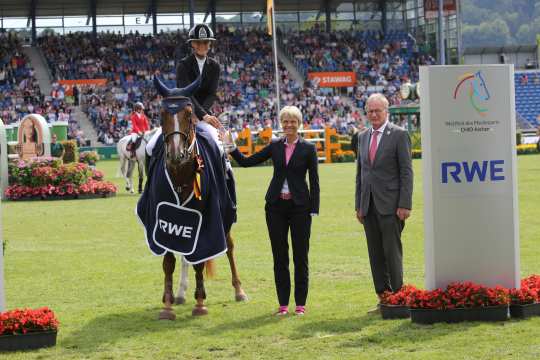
(326, 141)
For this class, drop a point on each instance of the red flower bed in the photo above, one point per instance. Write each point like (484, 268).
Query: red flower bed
(22, 321)
(399, 298)
(528, 293)
(459, 295)
(43, 177)
(465, 295)
(532, 281)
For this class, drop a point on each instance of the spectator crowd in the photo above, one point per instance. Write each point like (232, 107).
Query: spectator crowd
(247, 88)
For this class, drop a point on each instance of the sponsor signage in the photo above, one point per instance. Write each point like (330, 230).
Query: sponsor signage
(470, 183)
(333, 79)
(68, 84)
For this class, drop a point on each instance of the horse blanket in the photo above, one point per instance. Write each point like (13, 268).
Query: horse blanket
(193, 228)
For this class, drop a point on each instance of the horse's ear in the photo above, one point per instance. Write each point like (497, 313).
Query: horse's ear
(190, 89)
(161, 88)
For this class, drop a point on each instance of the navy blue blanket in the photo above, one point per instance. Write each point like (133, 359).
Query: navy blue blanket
(194, 228)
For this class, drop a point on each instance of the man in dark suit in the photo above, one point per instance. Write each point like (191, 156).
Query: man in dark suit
(198, 63)
(384, 185)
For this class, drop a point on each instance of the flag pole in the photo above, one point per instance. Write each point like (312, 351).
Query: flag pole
(276, 67)
(2, 293)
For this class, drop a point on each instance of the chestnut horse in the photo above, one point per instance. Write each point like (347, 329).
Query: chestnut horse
(178, 130)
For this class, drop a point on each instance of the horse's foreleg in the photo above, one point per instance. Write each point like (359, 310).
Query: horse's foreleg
(182, 288)
(239, 293)
(169, 262)
(200, 294)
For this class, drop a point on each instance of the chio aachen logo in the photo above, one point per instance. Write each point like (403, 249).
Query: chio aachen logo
(476, 89)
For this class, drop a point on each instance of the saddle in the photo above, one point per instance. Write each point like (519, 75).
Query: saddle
(133, 146)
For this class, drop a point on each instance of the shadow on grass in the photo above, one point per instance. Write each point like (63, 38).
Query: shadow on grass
(335, 326)
(406, 333)
(371, 329)
(110, 328)
(250, 323)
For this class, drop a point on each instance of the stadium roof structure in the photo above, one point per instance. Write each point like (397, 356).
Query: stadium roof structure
(25, 8)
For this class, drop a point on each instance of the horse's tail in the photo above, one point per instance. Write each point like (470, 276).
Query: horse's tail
(210, 268)
(122, 158)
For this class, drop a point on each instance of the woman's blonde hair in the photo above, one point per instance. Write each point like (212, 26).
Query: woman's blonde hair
(292, 112)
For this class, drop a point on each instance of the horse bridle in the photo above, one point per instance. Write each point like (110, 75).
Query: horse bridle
(189, 151)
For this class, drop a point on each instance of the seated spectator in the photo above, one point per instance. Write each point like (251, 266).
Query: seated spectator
(57, 149)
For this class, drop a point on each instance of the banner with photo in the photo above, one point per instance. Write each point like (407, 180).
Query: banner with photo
(68, 84)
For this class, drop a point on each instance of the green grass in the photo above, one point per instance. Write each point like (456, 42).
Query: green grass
(87, 260)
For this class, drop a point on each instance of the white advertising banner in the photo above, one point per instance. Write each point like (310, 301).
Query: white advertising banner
(470, 182)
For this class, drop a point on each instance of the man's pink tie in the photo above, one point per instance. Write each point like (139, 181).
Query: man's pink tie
(373, 146)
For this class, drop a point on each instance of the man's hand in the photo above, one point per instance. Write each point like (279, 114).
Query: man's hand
(403, 214)
(360, 216)
(212, 120)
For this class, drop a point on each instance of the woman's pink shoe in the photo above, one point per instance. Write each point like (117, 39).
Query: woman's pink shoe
(300, 310)
(283, 310)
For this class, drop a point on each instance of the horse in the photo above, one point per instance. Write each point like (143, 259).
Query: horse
(126, 158)
(181, 161)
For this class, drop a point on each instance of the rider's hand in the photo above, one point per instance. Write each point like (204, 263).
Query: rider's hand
(212, 120)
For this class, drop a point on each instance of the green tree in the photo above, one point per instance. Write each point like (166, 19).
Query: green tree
(500, 22)
(493, 33)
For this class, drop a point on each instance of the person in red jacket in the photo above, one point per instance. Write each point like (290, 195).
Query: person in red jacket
(139, 124)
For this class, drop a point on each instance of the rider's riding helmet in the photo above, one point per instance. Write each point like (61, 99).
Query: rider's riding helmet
(201, 32)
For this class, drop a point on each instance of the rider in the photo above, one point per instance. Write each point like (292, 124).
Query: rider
(198, 63)
(200, 37)
(139, 124)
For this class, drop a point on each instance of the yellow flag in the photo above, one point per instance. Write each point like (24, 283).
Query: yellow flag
(269, 20)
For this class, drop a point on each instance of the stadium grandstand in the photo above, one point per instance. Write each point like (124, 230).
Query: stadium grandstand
(123, 43)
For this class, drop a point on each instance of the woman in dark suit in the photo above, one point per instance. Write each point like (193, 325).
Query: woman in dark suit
(289, 205)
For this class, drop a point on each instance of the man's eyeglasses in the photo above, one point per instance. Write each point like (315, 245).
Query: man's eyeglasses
(375, 111)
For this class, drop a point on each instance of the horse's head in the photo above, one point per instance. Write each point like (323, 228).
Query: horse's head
(479, 87)
(178, 129)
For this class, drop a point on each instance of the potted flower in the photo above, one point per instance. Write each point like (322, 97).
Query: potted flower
(459, 302)
(525, 301)
(24, 329)
(395, 305)
(89, 157)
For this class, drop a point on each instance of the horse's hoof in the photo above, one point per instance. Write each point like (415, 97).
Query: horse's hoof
(167, 315)
(199, 311)
(140, 191)
(179, 300)
(132, 192)
(241, 297)
(127, 189)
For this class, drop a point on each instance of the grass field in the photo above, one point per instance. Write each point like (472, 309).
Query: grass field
(88, 261)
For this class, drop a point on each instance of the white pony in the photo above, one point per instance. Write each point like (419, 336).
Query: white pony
(126, 158)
